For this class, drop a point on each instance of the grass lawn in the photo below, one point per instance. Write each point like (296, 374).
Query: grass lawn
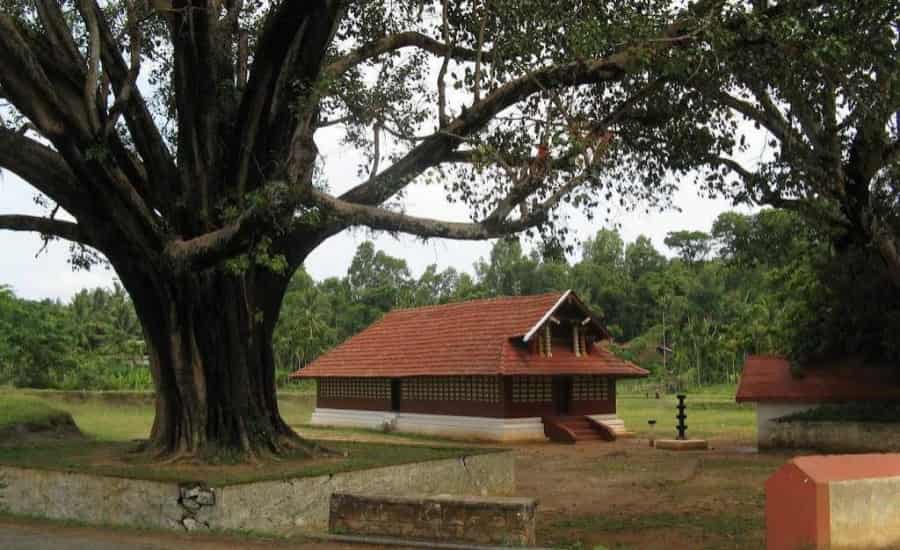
(709, 415)
(114, 420)
(124, 416)
(116, 459)
(19, 409)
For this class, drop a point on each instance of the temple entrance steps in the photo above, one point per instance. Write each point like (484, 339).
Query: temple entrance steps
(615, 423)
(572, 429)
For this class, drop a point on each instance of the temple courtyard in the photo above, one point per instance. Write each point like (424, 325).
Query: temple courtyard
(621, 494)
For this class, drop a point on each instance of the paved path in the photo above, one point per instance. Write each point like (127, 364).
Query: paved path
(40, 535)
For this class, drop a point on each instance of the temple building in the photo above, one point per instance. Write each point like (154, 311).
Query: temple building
(503, 369)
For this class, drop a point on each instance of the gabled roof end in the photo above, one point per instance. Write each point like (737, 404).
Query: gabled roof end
(531, 332)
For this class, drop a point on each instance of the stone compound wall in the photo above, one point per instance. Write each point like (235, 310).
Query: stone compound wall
(269, 506)
(483, 520)
(851, 437)
(766, 413)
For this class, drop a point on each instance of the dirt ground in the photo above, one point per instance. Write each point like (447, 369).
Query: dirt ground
(628, 495)
(25, 534)
(625, 494)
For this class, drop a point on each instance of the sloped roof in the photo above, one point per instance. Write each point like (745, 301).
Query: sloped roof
(769, 378)
(826, 468)
(469, 338)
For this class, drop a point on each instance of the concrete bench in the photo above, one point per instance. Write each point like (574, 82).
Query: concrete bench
(449, 518)
(834, 502)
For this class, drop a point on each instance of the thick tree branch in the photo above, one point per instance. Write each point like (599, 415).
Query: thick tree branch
(45, 226)
(158, 162)
(398, 41)
(441, 146)
(736, 167)
(135, 38)
(563, 161)
(44, 169)
(276, 204)
(58, 32)
(441, 84)
(349, 214)
(434, 149)
(276, 65)
(479, 55)
(771, 119)
(34, 94)
(93, 60)
(195, 73)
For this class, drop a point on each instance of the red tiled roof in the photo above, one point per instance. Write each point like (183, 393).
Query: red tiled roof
(769, 378)
(468, 338)
(849, 467)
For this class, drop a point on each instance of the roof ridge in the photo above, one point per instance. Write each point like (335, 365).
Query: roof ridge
(476, 301)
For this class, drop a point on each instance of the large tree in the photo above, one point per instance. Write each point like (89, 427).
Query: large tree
(824, 87)
(180, 136)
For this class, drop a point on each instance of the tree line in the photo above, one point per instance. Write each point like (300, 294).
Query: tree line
(754, 284)
(93, 342)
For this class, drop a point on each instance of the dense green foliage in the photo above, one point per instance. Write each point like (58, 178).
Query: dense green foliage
(764, 283)
(747, 297)
(94, 342)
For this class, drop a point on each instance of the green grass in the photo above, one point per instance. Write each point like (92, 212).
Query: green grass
(116, 459)
(18, 409)
(120, 415)
(114, 420)
(709, 415)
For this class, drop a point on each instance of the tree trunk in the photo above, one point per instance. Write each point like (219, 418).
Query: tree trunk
(887, 247)
(209, 337)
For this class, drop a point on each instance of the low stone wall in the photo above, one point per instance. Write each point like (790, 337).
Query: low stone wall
(483, 520)
(768, 413)
(269, 506)
(835, 436)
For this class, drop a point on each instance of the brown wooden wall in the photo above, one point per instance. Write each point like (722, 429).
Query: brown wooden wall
(372, 394)
(595, 405)
(526, 397)
(350, 403)
(540, 402)
(453, 395)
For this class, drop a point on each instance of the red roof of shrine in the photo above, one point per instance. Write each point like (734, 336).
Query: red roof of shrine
(769, 378)
(479, 337)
